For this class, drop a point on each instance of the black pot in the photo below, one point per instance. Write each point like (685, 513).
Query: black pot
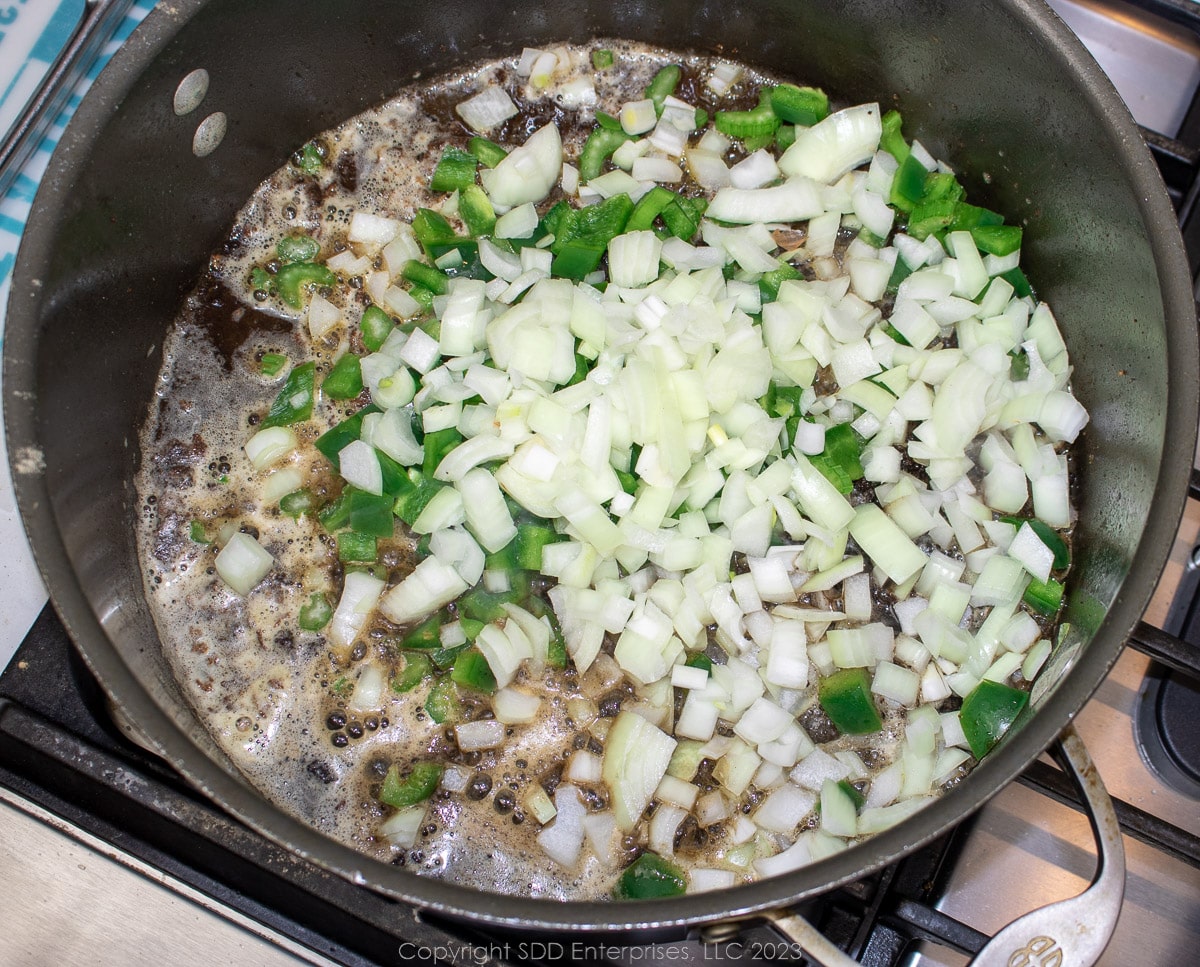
(127, 215)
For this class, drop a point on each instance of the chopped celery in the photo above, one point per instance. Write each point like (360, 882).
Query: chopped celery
(663, 85)
(292, 279)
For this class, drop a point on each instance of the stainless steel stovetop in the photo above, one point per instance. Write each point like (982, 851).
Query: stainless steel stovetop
(90, 858)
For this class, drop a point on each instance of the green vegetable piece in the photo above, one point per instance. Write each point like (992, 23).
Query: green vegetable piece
(1017, 279)
(476, 211)
(310, 159)
(941, 184)
(663, 85)
(292, 281)
(408, 506)
(596, 224)
(443, 704)
(597, 149)
(785, 137)
(437, 445)
(930, 217)
(334, 440)
(455, 170)
(374, 327)
(997, 239)
(297, 503)
(1019, 367)
(262, 280)
(315, 613)
(488, 606)
(1047, 535)
(968, 217)
(344, 381)
(1045, 597)
(371, 514)
(896, 334)
(608, 122)
(770, 282)
(417, 668)
(420, 783)
(682, 216)
(699, 660)
(603, 59)
(356, 548)
(577, 260)
(196, 533)
(272, 364)
(435, 280)
(430, 227)
(701, 119)
(530, 540)
(846, 698)
(471, 669)
(426, 635)
(840, 462)
(851, 790)
(758, 123)
(336, 514)
(892, 140)
(297, 248)
(488, 152)
(648, 208)
(294, 403)
(988, 712)
(649, 877)
(799, 105)
(908, 184)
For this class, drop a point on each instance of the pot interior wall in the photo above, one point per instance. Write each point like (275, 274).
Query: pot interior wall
(139, 215)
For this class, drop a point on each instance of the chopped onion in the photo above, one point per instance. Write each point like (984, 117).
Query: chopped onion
(243, 562)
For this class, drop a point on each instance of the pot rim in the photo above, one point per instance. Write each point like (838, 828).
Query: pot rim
(999, 768)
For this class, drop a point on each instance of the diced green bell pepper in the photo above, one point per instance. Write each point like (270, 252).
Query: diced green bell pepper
(420, 783)
(344, 381)
(988, 712)
(1045, 597)
(455, 170)
(846, 698)
(356, 548)
(488, 152)
(294, 402)
(334, 440)
(648, 877)
(799, 105)
(443, 704)
(472, 670)
(375, 326)
(417, 668)
(663, 85)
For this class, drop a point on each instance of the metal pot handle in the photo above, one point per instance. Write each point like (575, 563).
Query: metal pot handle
(1072, 933)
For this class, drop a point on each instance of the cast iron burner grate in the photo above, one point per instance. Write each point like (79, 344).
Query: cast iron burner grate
(59, 750)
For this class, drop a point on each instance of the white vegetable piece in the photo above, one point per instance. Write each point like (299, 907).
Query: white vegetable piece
(831, 147)
(636, 756)
(489, 108)
(360, 594)
(243, 562)
(528, 172)
(429, 586)
(269, 446)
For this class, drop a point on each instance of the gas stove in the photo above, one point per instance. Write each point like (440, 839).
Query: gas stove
(101, 843)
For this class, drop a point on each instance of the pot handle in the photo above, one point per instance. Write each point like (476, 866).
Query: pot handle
(1072, 932)
(99, 21)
